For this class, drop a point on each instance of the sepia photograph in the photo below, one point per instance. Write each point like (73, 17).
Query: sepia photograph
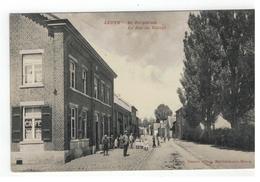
(124, 91)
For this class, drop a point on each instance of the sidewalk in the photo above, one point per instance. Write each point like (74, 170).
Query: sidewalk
(96, 162)
(170, 156)
(217, 158)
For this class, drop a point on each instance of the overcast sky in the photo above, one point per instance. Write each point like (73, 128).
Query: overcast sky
(148, 62)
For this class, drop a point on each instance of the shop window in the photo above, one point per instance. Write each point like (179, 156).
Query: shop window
(32, 123)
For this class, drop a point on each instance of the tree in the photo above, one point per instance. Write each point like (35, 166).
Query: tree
(162, 112)
(219, 67)
(236, 31)
(200, 95)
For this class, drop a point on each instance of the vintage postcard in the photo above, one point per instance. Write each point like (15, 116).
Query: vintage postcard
(113, 91)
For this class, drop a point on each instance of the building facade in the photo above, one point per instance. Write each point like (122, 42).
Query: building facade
(62, 91)
(125, 117)
(134, 121)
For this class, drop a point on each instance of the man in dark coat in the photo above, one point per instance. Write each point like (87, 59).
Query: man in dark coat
(105, 141)
(154, 141)
(125, 143)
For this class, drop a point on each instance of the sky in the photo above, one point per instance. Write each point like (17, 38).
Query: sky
(145, 49)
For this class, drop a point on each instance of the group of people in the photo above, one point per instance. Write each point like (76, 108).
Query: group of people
(122, 141)
(157, 138)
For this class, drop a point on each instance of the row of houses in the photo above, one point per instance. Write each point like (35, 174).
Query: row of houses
(62, 92)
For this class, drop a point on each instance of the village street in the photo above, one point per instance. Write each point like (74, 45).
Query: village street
(173, 154)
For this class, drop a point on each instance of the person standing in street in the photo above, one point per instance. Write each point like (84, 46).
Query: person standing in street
(131, 140)
(125, 143)
(116, 143)
(154, 145)
(120, 141)
(112, 140)
(158, 139)
(105, 144)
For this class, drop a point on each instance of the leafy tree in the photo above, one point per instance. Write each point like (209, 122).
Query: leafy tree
(219, 67)
(162, 112)
(236, 31)
(201, 87)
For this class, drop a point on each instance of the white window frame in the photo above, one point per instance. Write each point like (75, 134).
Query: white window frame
(73, 119)
(102, 90)
(84, 80)
(96, 87)
(108, 95)
(97, 117)
(34, 116)
(33, 64)
(72, 72)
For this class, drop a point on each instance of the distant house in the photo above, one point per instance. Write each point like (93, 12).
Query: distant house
(221, 123)
(125, 117)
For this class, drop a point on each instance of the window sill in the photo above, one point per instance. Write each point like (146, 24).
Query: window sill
(32, 85)
(74, 140)
(75, 90)
(25, 142)
(101, 102)
(78, 140)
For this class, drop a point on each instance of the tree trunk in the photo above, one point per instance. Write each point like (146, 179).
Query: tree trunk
(235, 124)
(208, 131)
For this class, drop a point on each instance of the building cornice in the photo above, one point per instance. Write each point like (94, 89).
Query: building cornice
(52, 21)
(64, 23)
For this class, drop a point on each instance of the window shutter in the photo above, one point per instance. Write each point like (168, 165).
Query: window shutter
(17, 124)
(69, 123)
(46, 123)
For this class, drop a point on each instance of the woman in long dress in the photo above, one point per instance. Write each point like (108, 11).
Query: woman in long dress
(116, 142)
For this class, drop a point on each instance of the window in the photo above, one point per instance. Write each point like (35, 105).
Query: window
(102, 126)
(32, 69)
(73, 122)
(32, 123)
(108, 95)
(96, 117)
(84, 81)
(108, 125)
(95, 87)
(102, 90)
(85, 125)
(72, 75)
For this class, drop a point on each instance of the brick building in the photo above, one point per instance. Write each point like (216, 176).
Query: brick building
(125, 117)
(61, 91)
(134, 121)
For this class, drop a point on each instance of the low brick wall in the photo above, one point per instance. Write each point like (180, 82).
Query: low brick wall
(79, 148)
(36, 157)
